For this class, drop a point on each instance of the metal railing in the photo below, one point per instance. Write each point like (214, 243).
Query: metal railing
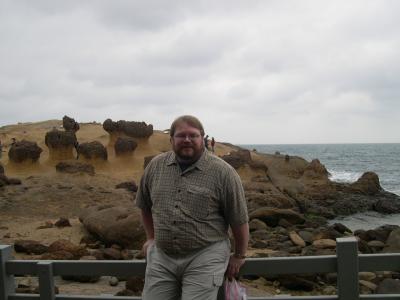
(347, 263)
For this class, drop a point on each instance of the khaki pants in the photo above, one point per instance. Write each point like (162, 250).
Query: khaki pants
(194, 277)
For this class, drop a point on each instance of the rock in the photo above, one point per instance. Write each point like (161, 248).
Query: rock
(24, 151)
(306, 236)
(326, 233)
(112, 254)
(367, 184)
(4, 180)
(324, 244)
(296, 283)
(271, 216)
(256, 224)
(92, 150)
(65, 245)
(135, 284)
(369, 285)
(376, 245)
(340, 228)
(124, 146)
(1, 169)
(329, 290)
(47, 224)
(393, 242)
(129, 128)
(296, 239)
(14, 181)
(368, 276)
(69, 124)
(128, 185)
(73, 167)
(242, 157)
(113, 281)
(29, 247)
(60, 144)
(388, 205)
(389, 286)
(316, 170)
(123, 225)
(62, 222)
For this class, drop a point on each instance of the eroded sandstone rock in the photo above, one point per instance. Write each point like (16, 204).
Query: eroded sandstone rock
(24, 151)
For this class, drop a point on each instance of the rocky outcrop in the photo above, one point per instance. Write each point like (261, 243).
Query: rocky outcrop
(24, 151)
(92, 151)
(128, 128)
(61, 144)
(128, 185)
(123, 226)
(241, 158)
(367, 184)
(316, 170)
(124, 146)
(69, 124)
(73, 167)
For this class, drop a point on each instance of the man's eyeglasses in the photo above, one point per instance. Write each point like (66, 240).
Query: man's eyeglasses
(192, 136)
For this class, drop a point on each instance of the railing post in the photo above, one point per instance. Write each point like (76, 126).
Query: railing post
(7, 283)
(347, 268)
(46, 280)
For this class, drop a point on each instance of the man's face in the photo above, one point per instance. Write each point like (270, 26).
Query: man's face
(187, 142)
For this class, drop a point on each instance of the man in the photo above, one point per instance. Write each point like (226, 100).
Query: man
(188, 199)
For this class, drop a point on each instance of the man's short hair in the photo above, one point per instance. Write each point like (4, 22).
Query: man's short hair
(191, 120)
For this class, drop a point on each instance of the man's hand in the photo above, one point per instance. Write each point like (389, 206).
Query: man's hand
(146, 245)
(234, 266)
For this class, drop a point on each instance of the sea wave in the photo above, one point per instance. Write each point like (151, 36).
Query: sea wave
(344, 176)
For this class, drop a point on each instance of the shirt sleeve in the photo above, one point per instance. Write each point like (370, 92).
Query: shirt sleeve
(143, 198)
(235, 210)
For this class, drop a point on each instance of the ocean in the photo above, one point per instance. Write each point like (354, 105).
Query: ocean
(346, 163)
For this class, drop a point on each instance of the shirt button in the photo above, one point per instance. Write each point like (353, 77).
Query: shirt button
(179, 190)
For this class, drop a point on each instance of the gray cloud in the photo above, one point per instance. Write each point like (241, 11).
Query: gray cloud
(254, 72)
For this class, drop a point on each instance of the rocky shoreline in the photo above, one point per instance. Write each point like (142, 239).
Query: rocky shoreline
(290, 201)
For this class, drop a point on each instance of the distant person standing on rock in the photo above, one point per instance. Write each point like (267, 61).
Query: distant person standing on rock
(212, 144)
(206, 142)
(188, 200)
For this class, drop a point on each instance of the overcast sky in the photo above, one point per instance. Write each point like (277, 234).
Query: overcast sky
(253, 71)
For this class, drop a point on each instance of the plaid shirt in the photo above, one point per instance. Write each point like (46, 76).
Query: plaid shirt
(192, 208)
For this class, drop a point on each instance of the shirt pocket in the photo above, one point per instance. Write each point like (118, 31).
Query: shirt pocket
(197, 202)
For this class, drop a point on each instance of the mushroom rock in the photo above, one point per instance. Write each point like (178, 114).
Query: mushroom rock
(70, 124)
(131, 129)
(92, 150)
(23, 151)
(61, 144)
(124, 146)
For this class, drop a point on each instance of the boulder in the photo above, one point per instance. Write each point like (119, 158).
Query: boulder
(242, 157)
(29, 247)
(271, 216)
(67, 246)
(73, 167)
(124, 146)
(393, 242)
(129, 128)
(340, 228)
(69, 124)
(296, 239)
(115, 224)
(388, 286)
(388, 205)
(324, 244)
(24, 151)
(92, 150)
(367, 184)
(62, 222)
(256, 224)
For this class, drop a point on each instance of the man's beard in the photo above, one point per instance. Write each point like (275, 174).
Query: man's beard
(187, 156)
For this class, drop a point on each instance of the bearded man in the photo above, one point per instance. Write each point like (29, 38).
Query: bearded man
(188, 199)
